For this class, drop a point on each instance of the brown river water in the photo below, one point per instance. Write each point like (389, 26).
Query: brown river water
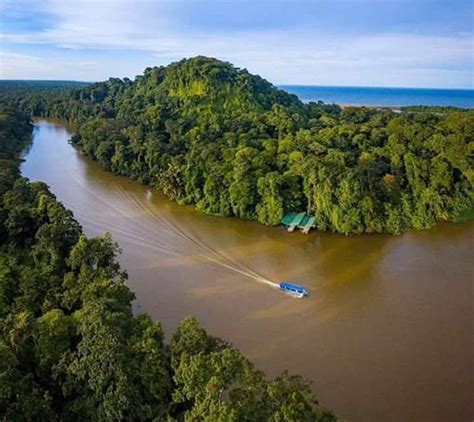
(386, 333)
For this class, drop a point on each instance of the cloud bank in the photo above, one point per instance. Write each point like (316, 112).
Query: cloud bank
(91, 40)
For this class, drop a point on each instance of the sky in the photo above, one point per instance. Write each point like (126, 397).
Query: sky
(407, 43)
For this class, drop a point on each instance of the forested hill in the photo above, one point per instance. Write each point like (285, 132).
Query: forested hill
(71, 348)
(231, 143)
(202, 89)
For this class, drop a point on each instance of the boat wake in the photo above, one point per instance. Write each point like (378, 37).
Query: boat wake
(201, 251)
(153, 236)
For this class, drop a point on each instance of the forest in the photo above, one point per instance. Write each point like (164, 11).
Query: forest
(72, 350)
(229, 142)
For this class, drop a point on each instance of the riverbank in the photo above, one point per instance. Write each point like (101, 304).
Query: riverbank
(258, 153)
(68, 293)
(465, 215)
(410, 293)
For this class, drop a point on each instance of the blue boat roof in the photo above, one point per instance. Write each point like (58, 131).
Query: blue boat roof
(294, 286)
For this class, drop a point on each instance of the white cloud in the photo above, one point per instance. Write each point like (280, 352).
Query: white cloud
(23, 66)
(301, 56)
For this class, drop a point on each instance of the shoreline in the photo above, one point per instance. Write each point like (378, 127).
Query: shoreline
(71, 127)
(344, 272)
(396, 108)
(401, 108)
(383, 97)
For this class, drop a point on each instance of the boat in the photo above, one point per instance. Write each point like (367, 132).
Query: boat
(295, 289)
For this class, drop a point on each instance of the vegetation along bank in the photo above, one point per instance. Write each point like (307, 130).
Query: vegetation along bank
(71, 348)
(232, 144)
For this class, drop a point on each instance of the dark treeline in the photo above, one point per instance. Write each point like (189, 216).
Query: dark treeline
(29, 86)
(70, 347)
(431, 109)
(34, 97)
(209, 134)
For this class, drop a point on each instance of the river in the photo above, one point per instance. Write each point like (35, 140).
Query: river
(386, 333)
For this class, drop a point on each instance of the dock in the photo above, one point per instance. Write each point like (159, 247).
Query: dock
(308, 224)
(299, 220)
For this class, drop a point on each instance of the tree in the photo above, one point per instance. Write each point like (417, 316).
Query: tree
(270, 209)
(206, 132)
(71, 347)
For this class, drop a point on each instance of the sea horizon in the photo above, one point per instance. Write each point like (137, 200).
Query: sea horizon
(383, 96)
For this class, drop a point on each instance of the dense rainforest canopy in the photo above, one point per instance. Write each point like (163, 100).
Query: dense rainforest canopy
(209, 134)
(70, 347)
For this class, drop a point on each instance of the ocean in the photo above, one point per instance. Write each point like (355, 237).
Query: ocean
(347, 95)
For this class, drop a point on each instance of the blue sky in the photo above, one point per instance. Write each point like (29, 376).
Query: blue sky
(411, 43)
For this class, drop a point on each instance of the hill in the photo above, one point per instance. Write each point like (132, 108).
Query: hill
(210, 134)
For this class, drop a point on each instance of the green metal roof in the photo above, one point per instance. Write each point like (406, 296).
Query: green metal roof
(310, 222)
(288, 218)
(298, 219)
(303, 222)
